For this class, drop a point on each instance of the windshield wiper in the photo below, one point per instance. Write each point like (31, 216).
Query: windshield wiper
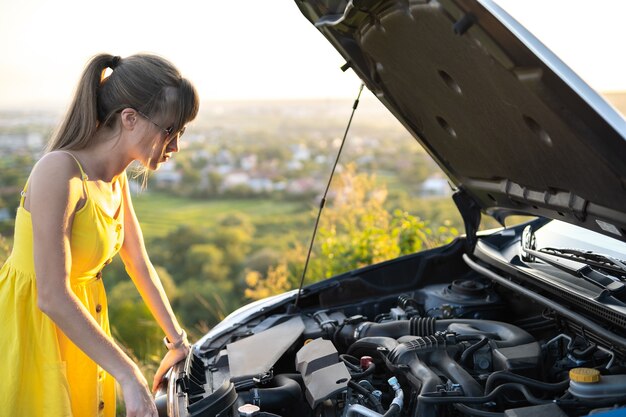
(599, 260)
(597, 269)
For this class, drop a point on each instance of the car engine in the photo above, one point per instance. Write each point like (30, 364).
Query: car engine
(459, 349)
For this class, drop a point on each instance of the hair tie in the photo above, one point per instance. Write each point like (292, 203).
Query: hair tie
(114, 62)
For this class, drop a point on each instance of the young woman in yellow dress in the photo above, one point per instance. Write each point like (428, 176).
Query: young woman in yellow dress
(76, 213)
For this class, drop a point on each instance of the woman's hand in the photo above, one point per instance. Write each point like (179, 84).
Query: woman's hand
(171, 358)
(137, 398)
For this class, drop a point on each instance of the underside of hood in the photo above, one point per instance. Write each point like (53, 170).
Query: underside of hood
(508, 122)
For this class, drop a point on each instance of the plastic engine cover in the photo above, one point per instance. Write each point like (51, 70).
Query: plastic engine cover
(322, 373)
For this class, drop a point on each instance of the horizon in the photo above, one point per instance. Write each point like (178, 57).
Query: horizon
(616, 98)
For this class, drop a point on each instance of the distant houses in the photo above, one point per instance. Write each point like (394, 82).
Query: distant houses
(223, 172)
(226, 173)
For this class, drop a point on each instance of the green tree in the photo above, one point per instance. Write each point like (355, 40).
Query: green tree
(171, 251)
(233, 234)
(14, 169)
(214, 180)
(203, 303)
(132, 324)
(262, 259)
(206, 261)
(355, 230)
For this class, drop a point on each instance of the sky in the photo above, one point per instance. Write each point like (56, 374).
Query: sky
(252, 49)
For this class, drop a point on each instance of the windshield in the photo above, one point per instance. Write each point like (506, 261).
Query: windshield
(557, 234)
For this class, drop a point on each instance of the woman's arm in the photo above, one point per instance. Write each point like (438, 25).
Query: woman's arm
(55, 189)
(143, 274)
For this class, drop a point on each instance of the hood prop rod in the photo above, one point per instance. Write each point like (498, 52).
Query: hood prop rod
(293, 307)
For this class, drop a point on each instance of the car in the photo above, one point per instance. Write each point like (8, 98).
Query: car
(524, 320)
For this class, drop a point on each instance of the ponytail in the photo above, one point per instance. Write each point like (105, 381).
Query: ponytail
(81, 120)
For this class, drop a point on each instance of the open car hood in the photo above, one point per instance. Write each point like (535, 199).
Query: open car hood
(508, 122)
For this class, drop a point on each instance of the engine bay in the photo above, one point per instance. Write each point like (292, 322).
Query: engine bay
(466, 348)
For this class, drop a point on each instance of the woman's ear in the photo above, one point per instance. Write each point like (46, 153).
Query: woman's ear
(128, 118)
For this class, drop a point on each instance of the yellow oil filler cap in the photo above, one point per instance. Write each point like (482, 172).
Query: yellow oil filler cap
(587, 375)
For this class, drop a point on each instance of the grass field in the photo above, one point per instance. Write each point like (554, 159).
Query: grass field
(159, 214)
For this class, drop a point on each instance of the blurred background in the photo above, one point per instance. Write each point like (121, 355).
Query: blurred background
(229, 219)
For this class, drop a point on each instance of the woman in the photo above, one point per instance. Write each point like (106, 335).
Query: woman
(58, 357)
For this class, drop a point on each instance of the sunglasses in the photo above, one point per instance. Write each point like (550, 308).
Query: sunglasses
(168, 132)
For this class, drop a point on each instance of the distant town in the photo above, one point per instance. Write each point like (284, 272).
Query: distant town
(246, 149)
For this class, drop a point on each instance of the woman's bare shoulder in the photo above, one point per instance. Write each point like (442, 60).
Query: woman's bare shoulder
(56, 176)
(56, 165)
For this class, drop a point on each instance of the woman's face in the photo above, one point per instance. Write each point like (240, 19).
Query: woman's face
(160, 143)
(164, 149)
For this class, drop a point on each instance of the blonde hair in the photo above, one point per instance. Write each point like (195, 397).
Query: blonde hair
(147, 83)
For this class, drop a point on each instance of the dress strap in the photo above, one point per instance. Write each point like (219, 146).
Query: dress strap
(82, 172)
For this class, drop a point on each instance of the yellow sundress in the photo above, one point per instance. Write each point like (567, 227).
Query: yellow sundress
(43, 373)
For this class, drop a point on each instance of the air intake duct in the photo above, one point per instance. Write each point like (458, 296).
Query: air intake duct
(502, 334)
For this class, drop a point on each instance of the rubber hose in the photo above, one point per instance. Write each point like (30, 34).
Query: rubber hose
(427, 399)
(533, 383)
(363, 391)
(455, 372)
(393, 411)
(470, 350)
(429, 380)
(286, 391)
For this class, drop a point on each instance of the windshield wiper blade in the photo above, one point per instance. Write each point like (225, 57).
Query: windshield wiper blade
(591, 258)
(590, 271)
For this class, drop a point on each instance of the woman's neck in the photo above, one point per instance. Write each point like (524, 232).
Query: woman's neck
(106, 159)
